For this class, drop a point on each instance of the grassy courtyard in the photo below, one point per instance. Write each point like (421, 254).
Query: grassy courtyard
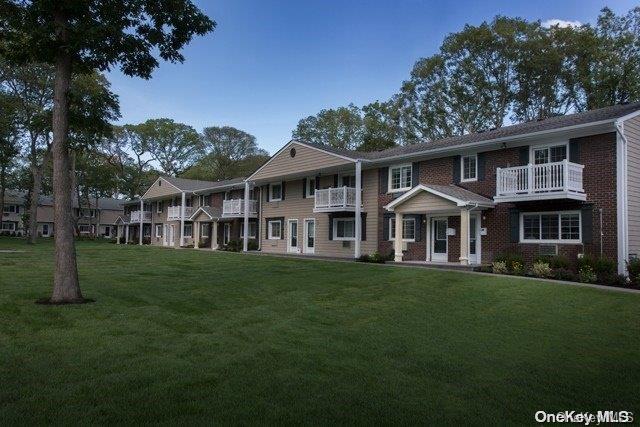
(181, 336)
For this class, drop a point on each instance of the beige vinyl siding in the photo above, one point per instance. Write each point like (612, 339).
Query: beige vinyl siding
(161, 188)
(425, 202)
(296, 207)
(307, 159)
(632, 132)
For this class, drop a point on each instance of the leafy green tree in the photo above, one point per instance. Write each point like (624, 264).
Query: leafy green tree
(84, 35)
(381, 122)
(339, 128)
(9, 149)
(175, 146)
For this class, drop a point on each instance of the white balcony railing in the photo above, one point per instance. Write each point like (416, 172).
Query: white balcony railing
(551, 178)
(135, 216)
(333, 199)
(235, 207)
(173, 213)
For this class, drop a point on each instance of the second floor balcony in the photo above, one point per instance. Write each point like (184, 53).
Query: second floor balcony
(235, 208)
(135, 216)
(559, 180)
(173, 213)
(335, 199)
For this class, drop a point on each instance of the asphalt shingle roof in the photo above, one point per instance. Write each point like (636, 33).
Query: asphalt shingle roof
(195, 185)
(45, 200)
(460, 193)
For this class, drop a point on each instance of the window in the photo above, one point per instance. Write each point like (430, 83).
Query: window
(348, 181)
(311, 187)
(551, 227)
(275, 229)
(344, 229)
(146, 230)
(11, 209)
(275, 192)
(469, 166)
(159, 207)
(8, 226)
(84, 228)
(158, 230)
(252, 230)
(188, 202)
(203, 200)
(107, 231)
(549, 154)
(188, 230)
(400, 178)
(204, 230)
(408, 229)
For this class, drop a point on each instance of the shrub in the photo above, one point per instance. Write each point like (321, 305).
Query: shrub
(499, 267)
(514, 262)
(633, 267)
(233, 246)
(364, 258)
(618, 280)
(606, 270)
(587, 275)
(253, 245)
(586, 261)
(517, 268)
(541, 269)
(564, 274)
(375, 258)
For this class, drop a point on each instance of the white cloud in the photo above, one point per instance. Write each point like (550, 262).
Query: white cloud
(561, 23)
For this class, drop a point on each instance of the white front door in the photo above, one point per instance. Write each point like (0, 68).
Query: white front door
(474, 239)
(292, 242)
(169, 230)
(439, 246)
(309, 236)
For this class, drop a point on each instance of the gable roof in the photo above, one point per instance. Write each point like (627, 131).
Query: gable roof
(185, 184)
(458, 195)
(106, 203)
(211, 212)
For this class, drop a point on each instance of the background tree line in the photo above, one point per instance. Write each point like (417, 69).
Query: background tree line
(499, 72)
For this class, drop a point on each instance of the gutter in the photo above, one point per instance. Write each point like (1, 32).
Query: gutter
(621, 196)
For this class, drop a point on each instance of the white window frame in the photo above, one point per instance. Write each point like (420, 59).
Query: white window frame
(310, 180)
(335, 229)
(203, 226)
(560, 240)
(533, 148)
(389, 181)
(392, 227)
(159, 227)
(81, 226)
(189, 233)
(271, 198)
(270, 235)
(251, 235)
(5, 223)
(202, 199)
(475, 159)
(159, 206)
(342, 177)
(8, 209)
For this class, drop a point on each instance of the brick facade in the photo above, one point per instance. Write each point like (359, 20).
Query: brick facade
(597, 153)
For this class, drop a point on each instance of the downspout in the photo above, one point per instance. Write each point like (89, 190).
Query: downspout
(621, 190)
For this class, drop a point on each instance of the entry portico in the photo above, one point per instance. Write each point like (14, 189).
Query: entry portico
(439, 203)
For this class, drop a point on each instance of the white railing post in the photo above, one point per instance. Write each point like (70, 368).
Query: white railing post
(565, 171)
(358, 221)
(530, 168)
(499, 181)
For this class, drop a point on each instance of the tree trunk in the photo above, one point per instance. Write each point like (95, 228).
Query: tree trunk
(33, 203)
(3, 177)
(66, 287)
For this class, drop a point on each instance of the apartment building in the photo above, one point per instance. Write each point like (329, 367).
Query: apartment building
(564, 185)
(94, 218)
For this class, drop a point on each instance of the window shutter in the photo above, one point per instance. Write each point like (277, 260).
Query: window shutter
(456, 169)
(418, 221)
(330, 226)
(282, 190)
(363, 226)
(383, 180)
(514, 225)
(415, 174)
(574, 151)
(304, 187)
(587, 224)
(282, 222)
(335, 181)
(385, 225)
(524, 155)
(482, 158)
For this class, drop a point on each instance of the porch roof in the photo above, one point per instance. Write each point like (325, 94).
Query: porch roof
(459, 196)
(206, 212)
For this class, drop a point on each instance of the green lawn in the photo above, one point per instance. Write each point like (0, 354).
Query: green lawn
(182, 336)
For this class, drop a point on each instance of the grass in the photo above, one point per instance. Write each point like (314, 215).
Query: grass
(182, 336)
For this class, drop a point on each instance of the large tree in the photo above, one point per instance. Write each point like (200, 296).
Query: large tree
(9, 134)
(85, 35)
(340, 128)
(175, 146)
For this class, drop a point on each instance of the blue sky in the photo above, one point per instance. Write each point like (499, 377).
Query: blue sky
(270, 63)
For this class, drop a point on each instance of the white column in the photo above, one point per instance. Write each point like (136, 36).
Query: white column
(182, 209)
(464, 236)
(196, 234)
(118, 234)
(358, 221)
(126, 234)
(397, 244)
(245, 242)
(141, 219)
(214, 235)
